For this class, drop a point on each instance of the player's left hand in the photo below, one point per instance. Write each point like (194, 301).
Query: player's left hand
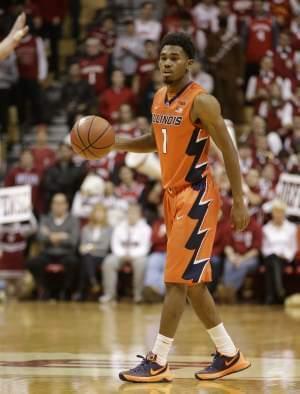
(239, 216)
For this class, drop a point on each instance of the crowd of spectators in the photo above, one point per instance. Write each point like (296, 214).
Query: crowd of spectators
(97, 218)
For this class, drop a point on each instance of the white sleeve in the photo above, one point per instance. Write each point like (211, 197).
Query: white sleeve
(142, 248)
(292, 244)
(287, 115)
(201, 41)
(295, 6)
(117, 246)
(42, 59)
(265, 247)
(274, 142)
(286, 89)
(251, 88)
(210, 83)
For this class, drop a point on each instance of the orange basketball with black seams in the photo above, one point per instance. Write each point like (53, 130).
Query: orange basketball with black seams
(92, 137)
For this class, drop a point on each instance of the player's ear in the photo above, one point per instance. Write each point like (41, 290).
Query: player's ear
(189, 64)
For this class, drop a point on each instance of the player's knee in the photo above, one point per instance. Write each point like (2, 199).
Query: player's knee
(199, 288)
(176, 288)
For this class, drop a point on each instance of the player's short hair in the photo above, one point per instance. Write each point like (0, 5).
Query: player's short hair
(179, 39)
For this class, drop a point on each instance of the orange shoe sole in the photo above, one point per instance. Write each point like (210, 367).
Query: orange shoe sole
(241, 365)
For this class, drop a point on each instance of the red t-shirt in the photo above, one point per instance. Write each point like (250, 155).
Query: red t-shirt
(144, 71)
(95, 70)
(250, 238)
(43, 158)
(111, 100)
(27, 58)
(222, 236)
(259, 39)
(284, 64)
(159, 236)
(19, 176)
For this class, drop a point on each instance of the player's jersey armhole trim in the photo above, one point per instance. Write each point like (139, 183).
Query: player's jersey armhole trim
(197, 122)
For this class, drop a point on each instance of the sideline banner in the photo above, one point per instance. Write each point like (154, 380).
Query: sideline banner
(288, 190)
(15, 204)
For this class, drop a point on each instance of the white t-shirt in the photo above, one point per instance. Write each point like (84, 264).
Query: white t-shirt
(148, 30)
(281, 241)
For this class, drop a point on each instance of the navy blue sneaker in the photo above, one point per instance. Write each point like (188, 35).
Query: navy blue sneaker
(223, 365)
(148, 371)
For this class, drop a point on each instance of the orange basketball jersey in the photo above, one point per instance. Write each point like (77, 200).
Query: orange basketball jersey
(182, 146)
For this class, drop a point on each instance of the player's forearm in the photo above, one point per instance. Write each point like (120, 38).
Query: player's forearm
(143, 144)
(6, 47)
(232, 166)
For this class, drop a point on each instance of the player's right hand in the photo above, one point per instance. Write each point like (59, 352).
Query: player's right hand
(239, 215)
(19, 30)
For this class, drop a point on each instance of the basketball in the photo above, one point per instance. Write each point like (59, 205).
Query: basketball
(92, 137)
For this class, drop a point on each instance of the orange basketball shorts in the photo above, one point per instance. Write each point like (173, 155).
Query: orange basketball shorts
(191, 216)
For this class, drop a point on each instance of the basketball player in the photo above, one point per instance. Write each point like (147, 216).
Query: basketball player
(17, 32)
(184, 118)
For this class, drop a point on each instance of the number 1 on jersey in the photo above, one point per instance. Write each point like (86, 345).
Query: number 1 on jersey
(164, 131)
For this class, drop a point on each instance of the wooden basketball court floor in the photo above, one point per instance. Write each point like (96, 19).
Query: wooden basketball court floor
(66, 348)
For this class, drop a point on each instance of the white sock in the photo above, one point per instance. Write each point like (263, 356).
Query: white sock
(222, 340)
(161, 348)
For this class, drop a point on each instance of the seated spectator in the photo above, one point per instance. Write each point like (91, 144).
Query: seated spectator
(112, 98)
(94, 246)
(258, 85)
(253, 192)
(154, 289)
(146, 26)
(128, 189)
(221, 241)
(279, 246)
(78, 97)
(90, 193)
(225, 12)
(246, 157)
(128, 49)
(130, 244)
(105, 31)
(24, 173)
(63, 177)
(152, 87)
(95, 65)
(283, 11)
(105, 166)
(205, 15)
(126, 125)
(145, 67)
(13, 243)
(276, 112)
(268, 181)
(241, 257)
(259, 33)
(295, 32)
(284, 57)
(143, 125)
(58, 234)
(116, 207)
(200, 76)
(43, 155)
(151, 199)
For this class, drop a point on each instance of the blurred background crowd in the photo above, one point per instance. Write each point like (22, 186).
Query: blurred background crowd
(97, 228)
